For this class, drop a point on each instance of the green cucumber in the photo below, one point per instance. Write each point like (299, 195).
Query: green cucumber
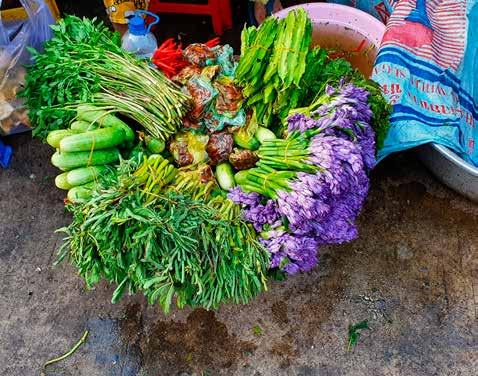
(83, 126)
(61, 182)
(225, 176)
(102, 138)
(79, 194)
(92, 114)
(83, 175)
(154, 145)
(69, 161)
(246, 141)
(264, 134)
(54, 137)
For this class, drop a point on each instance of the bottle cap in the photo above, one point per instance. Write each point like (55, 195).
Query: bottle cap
(137, 26)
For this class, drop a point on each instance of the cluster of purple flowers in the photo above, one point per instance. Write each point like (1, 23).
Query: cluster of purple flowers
(321, 208)
(346, 108)
(262, 213)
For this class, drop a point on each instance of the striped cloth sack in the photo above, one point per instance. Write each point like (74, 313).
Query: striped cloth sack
(428, 69)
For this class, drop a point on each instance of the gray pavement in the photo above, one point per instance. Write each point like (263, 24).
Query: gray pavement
(413, 274)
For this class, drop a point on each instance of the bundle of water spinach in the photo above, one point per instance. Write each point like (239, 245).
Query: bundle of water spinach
(171, 244)
(84, 62)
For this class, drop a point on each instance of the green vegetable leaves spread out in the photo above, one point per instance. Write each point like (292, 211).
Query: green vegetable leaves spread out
(167, 245)
(85, 63)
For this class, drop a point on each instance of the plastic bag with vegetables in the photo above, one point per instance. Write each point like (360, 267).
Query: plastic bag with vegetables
(225, 55)
(188, 148)
(15, 36)
(186, 74)
(219, 147)
(227, 107)
(216, 122)
(229, 99)
(199, 54)
(202, 94)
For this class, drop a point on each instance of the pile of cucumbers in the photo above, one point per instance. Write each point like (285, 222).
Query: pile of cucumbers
(83, 151)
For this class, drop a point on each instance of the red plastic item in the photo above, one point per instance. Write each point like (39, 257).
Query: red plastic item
(219, 10)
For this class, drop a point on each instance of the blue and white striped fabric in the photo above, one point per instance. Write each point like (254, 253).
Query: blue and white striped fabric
(428, 69)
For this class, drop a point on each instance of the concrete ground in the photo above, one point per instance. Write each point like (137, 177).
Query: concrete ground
(413, 274)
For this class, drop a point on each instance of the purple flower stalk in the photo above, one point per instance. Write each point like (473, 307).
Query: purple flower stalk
(239, 197)
(318, 208)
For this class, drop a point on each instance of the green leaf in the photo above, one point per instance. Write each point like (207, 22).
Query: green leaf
(354, 333)
(118, 293)
(257, 330)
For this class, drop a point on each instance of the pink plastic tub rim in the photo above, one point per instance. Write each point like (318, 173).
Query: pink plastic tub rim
(342, 15)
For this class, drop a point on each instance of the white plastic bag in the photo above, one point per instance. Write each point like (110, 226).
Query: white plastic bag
(15, 37)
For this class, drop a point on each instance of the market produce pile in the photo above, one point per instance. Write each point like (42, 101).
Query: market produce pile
(84, 62)
(195, 182)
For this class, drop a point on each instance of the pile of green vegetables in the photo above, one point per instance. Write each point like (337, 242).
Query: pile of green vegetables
(280, 70)
(84, 63)
(150, 189)
(149, 227)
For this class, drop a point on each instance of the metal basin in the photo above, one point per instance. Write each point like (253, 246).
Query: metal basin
(449, 168)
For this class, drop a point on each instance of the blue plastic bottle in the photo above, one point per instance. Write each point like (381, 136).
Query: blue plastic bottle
(139, 39)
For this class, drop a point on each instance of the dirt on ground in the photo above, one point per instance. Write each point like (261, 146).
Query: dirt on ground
(412, 274)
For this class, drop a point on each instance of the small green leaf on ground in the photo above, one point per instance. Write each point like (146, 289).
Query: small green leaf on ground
(354, 333)
(257, 330)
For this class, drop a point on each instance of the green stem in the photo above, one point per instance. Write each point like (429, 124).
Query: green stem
(69, 353)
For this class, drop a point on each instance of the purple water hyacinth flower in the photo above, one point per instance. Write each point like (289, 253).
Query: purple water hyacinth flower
(329, 90)
(239, 197)
(300, 122)
(320, 208)
(366, 141)
(348, 109)
(260, 214)
(299, 253)
(326, 204)
(254, 210)
(291, 268)
(276, 260)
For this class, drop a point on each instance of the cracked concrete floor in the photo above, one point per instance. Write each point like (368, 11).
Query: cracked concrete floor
(413, 274)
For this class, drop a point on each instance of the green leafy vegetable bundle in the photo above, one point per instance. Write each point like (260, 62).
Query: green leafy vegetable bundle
(273, 61)
(281, 71)
(176, 243)
(85, 63)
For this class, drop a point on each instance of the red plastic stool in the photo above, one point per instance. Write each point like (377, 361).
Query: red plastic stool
(219, 10)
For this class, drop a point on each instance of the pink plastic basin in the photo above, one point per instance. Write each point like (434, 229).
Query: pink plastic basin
(352, 33)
